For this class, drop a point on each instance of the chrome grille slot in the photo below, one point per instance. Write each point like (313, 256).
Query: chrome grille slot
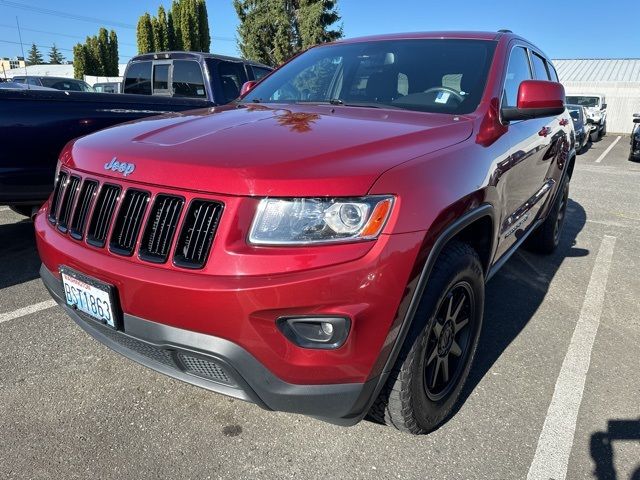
(161, 227)
(102, 215)
(128, 222)
(83, 206)
(196, 236)
(68, 198)
(61, 184)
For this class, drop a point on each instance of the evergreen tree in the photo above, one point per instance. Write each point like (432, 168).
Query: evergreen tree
(55, 57)
(34, 57)
(79, 61)
(145, 34)
(102, 52)
(203, 26)
(161, 30)
(97, 56)
(184, 27)
(114, 69)
(271, 31)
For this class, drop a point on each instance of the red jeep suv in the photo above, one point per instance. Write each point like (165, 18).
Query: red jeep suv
(320, 245)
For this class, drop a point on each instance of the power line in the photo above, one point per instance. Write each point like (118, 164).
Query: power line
(72, 16)
(45, 46)
(58, 34)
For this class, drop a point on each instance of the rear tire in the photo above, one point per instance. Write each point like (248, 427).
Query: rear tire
(434, 363)
(546, 237)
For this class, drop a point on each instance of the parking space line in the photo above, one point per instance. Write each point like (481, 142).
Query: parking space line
(613, 144)
(21, 312)
(556, 439)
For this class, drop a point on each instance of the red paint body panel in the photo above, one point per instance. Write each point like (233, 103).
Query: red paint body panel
(540, 94)
(262, 151)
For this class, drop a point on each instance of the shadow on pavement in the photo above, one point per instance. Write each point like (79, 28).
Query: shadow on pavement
(19, 260)
(602, 448)
(515, 293)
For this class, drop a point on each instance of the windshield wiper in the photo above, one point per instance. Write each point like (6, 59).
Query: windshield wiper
(333, 101)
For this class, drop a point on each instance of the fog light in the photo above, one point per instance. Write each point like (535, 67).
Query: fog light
(315, 332)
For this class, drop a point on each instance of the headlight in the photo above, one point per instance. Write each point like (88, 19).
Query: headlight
(301, 221)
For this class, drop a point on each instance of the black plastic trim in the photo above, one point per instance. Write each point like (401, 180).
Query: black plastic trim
(332, 403)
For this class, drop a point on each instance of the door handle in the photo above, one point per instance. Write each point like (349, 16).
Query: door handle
(544, 131)
(564, 122)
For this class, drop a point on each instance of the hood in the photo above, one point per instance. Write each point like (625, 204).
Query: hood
(258, 150)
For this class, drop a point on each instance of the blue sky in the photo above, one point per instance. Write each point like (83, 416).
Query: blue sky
(563, 29)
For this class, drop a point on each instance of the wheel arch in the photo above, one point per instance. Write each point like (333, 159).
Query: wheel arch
(467, 227)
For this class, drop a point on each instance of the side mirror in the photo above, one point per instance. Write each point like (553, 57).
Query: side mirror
(636, 120)
(604, 106)
(247, 87)
(536, 99)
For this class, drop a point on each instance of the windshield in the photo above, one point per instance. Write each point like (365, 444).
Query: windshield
(584, 101)
(432, 75)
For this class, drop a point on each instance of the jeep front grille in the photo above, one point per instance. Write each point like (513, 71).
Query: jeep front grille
(128, 222)
(161, 228)
(197, 233)
(102, 215)
(108, 213)
(61, 183)
(70, 192)
(81, 213)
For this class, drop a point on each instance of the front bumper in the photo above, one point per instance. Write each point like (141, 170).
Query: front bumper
(218, 365)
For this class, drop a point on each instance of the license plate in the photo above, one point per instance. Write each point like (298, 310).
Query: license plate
(88, 295)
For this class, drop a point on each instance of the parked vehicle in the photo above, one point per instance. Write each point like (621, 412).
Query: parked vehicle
(34, 126)
(320, 246)
(10, 85)
(57, 83)
(580, 126)
(596, 112)
(634, 154)
(190, 74)
(107, 87)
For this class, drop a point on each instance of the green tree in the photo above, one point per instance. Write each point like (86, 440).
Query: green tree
(145, 34)
(271, 31)
(114, 68)
(97, 56)
(161, 30)
(34, 57)
(184, 27)
(55, 57)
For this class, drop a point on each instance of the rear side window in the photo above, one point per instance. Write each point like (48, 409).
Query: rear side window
(34, 81)
(539, 67)
(161, 78)
(232, 77)
(138, 79)
(18, 80)
(187, 79)
(552, 73)
(259, 72)
(517, 71)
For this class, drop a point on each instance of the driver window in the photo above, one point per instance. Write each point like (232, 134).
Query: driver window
(517, 71)
(311, 84)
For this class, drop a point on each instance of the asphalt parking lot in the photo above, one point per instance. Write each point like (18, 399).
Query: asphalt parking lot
(555, 387)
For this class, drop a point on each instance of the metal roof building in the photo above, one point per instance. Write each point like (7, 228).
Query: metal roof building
(617, 79)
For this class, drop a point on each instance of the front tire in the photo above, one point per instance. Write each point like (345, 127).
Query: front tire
(434, 363)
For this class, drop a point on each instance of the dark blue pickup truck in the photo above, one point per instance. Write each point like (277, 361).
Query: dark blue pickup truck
(36, 124)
